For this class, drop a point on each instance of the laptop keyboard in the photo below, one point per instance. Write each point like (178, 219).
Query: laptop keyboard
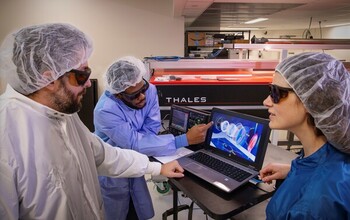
(220, 166)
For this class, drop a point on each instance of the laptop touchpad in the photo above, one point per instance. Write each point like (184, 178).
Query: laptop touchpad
(197, 168)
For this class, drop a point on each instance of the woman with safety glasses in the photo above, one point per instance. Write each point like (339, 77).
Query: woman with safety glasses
(310, 96)
(127, 115)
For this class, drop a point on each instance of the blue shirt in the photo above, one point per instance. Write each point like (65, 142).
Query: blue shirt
(317, 187)
(122, 126)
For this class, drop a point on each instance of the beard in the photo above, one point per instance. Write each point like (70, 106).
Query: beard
(66, 101)
(134, 106)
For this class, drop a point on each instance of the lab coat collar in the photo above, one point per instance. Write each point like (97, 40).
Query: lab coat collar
(316, 159)
(10, 93)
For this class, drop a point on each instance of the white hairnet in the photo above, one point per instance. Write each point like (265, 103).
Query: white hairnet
(125, 72)
(52, 48)
(323, 85)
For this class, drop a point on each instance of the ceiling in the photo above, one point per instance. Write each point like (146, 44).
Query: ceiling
(282, 14)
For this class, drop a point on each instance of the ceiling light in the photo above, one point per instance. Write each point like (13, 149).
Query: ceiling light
(229, 28)
(256, 20)
(336, 25)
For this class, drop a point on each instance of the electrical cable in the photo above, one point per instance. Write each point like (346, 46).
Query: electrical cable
(307, 33)
(214, 55)
(319, 24)
(310, 23)
(162, 123)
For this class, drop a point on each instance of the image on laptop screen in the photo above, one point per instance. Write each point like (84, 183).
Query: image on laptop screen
(237, 136)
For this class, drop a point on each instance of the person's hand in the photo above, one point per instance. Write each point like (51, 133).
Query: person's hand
(274, 171)
(197, 133)
(172, 169)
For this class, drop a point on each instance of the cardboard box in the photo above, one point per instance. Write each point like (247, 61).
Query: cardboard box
(240, 41)
(209, 40)
(196, 38)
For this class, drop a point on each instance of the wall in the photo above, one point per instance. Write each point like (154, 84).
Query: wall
(118, 27)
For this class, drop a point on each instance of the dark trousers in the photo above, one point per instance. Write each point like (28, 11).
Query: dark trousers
(132, 212)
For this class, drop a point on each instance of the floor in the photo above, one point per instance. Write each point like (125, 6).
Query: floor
(163, 202)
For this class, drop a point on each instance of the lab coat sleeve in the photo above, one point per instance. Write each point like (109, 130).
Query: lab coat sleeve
(119, 126)
(122, 134)
(116, 162)
(8, 193)
(152, 121)
(181, 141)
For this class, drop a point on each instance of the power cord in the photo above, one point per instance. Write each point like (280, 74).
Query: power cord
(307, 33)
(166, 130)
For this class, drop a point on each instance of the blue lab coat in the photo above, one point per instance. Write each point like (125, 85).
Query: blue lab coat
(317, 187)
(120, 125)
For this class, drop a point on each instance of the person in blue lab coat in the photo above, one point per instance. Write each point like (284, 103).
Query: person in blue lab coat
(310, 96)
(127, 115)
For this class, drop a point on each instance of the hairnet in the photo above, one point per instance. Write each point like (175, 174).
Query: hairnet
(125, 72)
(53, 49)
(323, 85)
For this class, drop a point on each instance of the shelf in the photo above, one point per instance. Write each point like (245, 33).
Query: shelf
(213, 39)
(288, 46)
(216, 46)
(213, 64)
(292, 46)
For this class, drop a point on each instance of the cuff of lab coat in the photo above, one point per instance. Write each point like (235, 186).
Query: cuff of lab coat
(181, 141)
(154, 168)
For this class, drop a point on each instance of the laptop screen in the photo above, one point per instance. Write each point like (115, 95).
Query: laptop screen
(239, 136)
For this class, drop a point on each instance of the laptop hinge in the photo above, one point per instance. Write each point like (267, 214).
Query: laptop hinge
(252, 167)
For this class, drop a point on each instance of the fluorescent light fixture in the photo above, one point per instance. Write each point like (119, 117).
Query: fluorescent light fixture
(230, 28)
(336, 25)
(256, 20)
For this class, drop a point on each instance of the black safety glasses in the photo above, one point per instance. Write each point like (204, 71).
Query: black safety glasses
(79, 77)
(136, 94)
(277, 92)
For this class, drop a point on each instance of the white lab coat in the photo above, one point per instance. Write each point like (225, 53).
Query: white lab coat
(49, 163)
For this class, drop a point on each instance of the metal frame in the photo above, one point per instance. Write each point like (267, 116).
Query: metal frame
(193, 64)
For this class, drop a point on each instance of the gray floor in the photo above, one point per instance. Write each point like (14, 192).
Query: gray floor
(163, 202)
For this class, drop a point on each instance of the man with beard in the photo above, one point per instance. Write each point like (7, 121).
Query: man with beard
(49, 161)
(127, 115)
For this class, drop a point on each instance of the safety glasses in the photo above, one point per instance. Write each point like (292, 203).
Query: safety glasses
(277, 92)
(136, 94)
(78, 77)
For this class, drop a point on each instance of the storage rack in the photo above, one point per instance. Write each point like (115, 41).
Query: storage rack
(206, 49)
(289, 44)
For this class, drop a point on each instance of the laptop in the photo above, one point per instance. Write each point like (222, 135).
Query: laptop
(233, 152)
